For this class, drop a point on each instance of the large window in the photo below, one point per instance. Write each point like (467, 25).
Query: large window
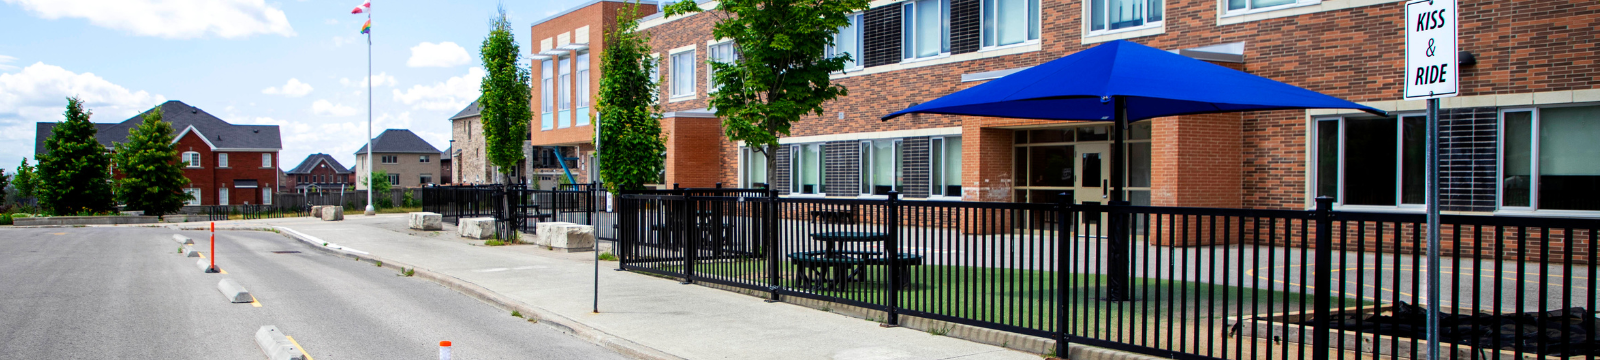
(194, 196)
(389, 159)
(683, 74)
(944, 166)
(266, 160)
(1548, 159)
(754, 173)
(1111, 15)
(425, 179)
(848, 43)
(266, 195)
(583, 88)
(191, 159)
(880, 167)
(1010, 22)
(1372, 161)
(926, 28)
(547, 96)
(806, 175)
(422, 158)
(564, 81)
(394, 179)
(1245, 6)
(718, 53)
(222, 196)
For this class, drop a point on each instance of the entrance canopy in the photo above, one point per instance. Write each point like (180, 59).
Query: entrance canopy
(1153, 83)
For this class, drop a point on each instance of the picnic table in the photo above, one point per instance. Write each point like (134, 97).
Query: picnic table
(830, 268)
(836, 215)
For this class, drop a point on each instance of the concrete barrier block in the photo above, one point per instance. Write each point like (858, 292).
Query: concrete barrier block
(547, 232)
(234, 292)
(182, 240)
(566, 236)
(475, 228)
(316, 211)
(189, 251)
(333, 213)
(426, 221)
(276, 345)
(204, 265)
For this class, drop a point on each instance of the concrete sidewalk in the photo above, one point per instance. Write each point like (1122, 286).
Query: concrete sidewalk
(641, 316)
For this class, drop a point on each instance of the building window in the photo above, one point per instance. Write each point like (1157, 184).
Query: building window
(222, 196)
(1247, 6)
(1113, 15)
(266, 195)
(880, 167)
(425, 179)
(944, 166)
(1372, 161)
(564, 104)
(547, 97)
(806, 171)
(655, 75)
(583, 88)
(422, 158)
(1547, 159)
(191, 159)
(754, 172)
(848, 43)
(1011, 22)
(683, 74)
(194, 196)
(266, 160)
(926, 29)
(222, 160)
(718, 53)
(394, 179)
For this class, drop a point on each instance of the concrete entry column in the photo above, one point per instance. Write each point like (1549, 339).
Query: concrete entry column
(694, 148)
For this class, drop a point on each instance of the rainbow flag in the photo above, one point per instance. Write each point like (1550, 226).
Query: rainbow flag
(367, 27)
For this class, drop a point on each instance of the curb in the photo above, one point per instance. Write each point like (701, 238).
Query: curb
(562, 323)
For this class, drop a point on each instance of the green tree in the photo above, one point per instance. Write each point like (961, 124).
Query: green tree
(781, 72)
(23, 182)
(504, 102)
(5, 181)
(380, 188)
(152, 180)
(630, 120)
(75, 173)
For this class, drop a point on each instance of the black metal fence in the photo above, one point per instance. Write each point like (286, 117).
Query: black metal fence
(517, 209)
(1191, 283)
(252, 212)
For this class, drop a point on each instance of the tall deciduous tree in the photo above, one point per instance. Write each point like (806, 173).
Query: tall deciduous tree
(782, 69)
(152, 180)
(504, 102)
(380, 188)
(75, 174)
(630, 120)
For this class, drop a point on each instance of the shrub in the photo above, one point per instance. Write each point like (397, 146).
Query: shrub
(5, 219)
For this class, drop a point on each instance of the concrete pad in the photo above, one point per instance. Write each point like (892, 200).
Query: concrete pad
(426, 221)
(234, 292)
(333, 213)
(182, 240)
(566, 236)
(275, 345)
(475, 228)
(204, 265)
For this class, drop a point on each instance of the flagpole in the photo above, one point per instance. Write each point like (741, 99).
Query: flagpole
(370, 181)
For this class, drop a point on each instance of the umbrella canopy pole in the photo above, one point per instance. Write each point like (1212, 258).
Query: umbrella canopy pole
(1119, 284)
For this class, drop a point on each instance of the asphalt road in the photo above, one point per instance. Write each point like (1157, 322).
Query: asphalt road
(82, 293)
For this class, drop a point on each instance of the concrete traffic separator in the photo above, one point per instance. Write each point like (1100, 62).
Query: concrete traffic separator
(234, 292)
(205, 266)
(276, 345)
(189, 251)
(183, 240)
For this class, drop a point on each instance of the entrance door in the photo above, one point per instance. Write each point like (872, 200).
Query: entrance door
(1094, 171)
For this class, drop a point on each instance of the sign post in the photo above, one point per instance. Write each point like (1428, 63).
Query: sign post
(1432, 73)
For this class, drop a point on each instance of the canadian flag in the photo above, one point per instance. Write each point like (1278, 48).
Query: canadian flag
(365, 7)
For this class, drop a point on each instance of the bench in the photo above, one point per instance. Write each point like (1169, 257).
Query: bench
(831, 269)
(835, 215)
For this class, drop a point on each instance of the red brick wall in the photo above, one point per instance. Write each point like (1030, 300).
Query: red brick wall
(693, 160)
(1195, 161)
(599, 17)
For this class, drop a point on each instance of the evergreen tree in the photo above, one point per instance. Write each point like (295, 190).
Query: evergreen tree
(630, 119)
(152, 180)
(5, 181)
(24, 182)
(75, 173)
(504, 103)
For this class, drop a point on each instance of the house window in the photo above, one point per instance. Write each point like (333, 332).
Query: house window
(1372, 161)
(754, 172)
(547, 119)
(222, 160)
(806, 171)
(926, 28)
(655, 75)
(718, 53)
(848, 43)
(1010, 22)
(191, 159)
(880, 167)
(583, 88)
(222, 196)
(266, 160)
(944, 166)
(394, 179)
(1547, 159)
(1113, 15)
(422, 158)
(1247, 6)
(389, 159)
(425, 179)
(683, 74)
(564, 114)
(266, 195)
(194, 196)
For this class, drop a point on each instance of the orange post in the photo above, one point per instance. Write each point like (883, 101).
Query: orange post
(444, 350)
(213, 247)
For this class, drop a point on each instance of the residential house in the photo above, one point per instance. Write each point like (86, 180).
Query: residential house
(409, 161)
(320, 172)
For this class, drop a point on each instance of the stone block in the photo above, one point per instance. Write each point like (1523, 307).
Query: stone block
(276, 345)
(316, 211)
(546, 231)
(234, 292)
(426, 221)
(333, 213)
(475, 228)
(204, 264)
(566, 236)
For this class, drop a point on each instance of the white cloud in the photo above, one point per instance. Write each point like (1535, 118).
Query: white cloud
(7, 60)
(323, 107)
(381, 79)
(342, 40)
(445, 54)
(38, 93)
(294, 88)
(452, 94)
(178, 19)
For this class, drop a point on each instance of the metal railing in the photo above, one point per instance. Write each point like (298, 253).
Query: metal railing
(517, 209)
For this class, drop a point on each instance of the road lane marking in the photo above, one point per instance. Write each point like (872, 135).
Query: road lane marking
(58, 234)
(254, 302)
(224, 272)
(297, 346)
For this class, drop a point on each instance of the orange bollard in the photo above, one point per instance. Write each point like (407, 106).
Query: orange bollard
(213, 248)
(444, 350)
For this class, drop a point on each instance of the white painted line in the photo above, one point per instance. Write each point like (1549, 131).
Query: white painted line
(314, 241)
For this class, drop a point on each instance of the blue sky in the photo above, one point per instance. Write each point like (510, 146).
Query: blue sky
(300, 65)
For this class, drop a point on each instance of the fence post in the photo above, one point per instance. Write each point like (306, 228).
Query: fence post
(891, 247)
(1063, 244)
(769, 234)
(1324, 277)
(686, 234)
